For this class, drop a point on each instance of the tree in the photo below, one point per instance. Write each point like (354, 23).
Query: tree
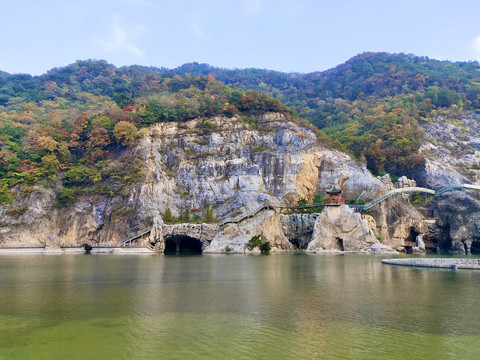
(79, 133)
(302, 203)
(49, 164)
(98, 137)
(46, 142)
(125, 133)
(168, 217)
(6, 196)
(255, 241)
(208, 214)
(81, 175)
(123, 99)
(66, 196)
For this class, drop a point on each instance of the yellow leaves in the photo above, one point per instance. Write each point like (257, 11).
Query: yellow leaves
(56, 121)
(45, 142)
(125, 133)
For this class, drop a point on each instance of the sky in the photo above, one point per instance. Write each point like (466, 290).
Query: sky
(284, 35)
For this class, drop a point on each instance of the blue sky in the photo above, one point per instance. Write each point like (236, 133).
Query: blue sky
(299, 36)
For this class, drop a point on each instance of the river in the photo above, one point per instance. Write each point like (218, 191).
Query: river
(234, 307)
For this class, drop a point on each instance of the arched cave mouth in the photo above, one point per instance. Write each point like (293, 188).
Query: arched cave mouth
(88, 248)
(181, 244)
(475, 248)
(413, 236)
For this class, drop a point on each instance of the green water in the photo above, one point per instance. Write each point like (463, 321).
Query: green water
(234, 307)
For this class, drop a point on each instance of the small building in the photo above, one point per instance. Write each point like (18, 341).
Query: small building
(334, 197)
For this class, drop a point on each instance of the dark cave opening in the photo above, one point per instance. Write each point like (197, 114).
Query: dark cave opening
(475, 248)
(182, 244)
(88, 248)
(413, 236)
(339, 244)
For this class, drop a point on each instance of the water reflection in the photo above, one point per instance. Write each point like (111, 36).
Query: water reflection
(276, 306)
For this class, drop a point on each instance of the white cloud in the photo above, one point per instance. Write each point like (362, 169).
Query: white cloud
(252, 7)
(476, 46)
(119, 38)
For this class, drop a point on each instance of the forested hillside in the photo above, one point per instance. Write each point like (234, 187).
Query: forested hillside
(65, 123)
(372, 104)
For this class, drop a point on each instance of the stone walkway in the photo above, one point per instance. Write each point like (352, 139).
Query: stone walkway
(436, 263)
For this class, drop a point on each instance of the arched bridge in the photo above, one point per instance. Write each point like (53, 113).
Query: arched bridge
(416, 189)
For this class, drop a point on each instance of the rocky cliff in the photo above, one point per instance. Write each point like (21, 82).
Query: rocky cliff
(232, 166)
(452, 152)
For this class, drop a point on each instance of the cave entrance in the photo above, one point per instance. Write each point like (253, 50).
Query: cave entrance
(88, 248)
(444, 243)
(299, 243)
(475, 248)
(338, 244)
(413, 236)
(444, 246)
(182, 244)
(465, 247)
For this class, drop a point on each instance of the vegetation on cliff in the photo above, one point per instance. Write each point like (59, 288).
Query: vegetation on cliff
(70, 123)
(372, 104)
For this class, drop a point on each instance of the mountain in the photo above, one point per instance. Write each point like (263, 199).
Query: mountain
(238, 175)
(371, 106)
(88, 151)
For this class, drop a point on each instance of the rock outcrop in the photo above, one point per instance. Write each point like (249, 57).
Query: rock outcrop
(298, 228)
(233, 170)
(396, 222)
(452, 153)
(233, 238)
(340, 228)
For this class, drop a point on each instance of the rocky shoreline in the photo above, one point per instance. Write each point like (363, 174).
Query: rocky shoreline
(447, 263)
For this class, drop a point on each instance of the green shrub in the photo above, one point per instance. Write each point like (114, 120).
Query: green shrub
(379, 238)
(208, 214)
(265, 247)
(260, 148)
(6, 195)
(66, 196)
(81, 175)
(417, 199)
(168, 217)
(207, 127)
(17, 212)
(254, 242)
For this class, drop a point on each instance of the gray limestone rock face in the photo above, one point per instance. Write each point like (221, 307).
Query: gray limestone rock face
(298, 228)
(340, 228)
(420, 243)
(233, 238)
(458, 221)
(235, 171)
(52, 241)
(201, 232)
(380, 248)
(156, 234)
(452, 155)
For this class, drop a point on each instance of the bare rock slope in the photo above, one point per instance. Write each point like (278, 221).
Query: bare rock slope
(231, 165)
